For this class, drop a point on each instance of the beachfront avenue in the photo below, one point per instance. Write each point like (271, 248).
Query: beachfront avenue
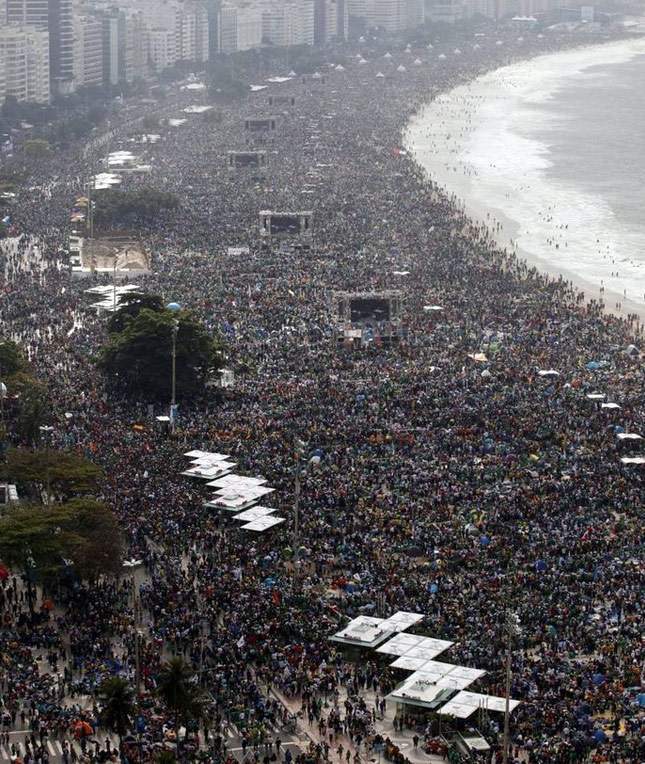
(464, 454)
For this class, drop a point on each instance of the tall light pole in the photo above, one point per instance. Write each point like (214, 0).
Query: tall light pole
(511, 629)
(299, 450)
(46, 431)
(132, 566)
(173, 307)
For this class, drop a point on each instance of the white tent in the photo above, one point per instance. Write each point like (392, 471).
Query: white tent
(254, 513)
(263, 524)
(466, 703)
(237, 481)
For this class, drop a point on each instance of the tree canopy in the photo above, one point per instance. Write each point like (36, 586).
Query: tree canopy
(178, 690)
(67, 474)
(82, 531)
(11, 359)
(25, 403)
(117, 705)
(138, 359)
(130, 306)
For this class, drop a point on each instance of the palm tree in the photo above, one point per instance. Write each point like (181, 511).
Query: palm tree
(117, 700)
(178, 690)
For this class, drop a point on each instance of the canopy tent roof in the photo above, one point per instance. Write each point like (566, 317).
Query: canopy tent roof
(263, 524)
(244, 492)
(199, 456)
(417, 691)
(466, 703)
(109, 289)
(231, 504)
(629, 436)
(370, 631)
(402, 620)
(633, 460)
(363, 630)
(209, 471)
(255, 513)
(445, 675)
(237, 481)
(402, 644)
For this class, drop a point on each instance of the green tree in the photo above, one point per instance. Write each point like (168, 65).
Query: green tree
(117, 705)
(41, 539)
(26, 406)
(66, 473)
(130, 306)
(138, 360)
(180, 693)
(11, 359)
(99, 549)
(36, 148)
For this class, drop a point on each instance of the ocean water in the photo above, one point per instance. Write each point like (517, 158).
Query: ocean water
(551, 153)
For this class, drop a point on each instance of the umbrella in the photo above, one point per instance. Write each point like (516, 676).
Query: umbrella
(47, 604)
(82, 729)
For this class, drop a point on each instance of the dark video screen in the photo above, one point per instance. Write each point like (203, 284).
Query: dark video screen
(247, 160)
(259, 124)
(289, 224)
(369, 309)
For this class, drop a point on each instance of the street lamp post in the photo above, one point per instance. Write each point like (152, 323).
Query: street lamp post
(173, 307)
(511, 629)
(175, 328)
(46, 431)
(298, 454)
(132, 566)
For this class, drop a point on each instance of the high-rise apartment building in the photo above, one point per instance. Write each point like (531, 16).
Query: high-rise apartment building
(125, 46)
(24, 52)
(390, 15)
(331, 21)
(88, 51)
(55, 16)
(3, 77)
(288, 22)
(239, 28)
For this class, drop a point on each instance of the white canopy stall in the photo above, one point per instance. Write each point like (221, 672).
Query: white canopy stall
(263, 524)
(466, 703)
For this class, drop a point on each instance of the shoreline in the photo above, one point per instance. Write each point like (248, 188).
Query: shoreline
(461, 190)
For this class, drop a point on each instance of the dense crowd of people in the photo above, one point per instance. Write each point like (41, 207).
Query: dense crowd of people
(454, 480)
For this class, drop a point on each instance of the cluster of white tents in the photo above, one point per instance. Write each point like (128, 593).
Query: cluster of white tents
(233, 493)
(433, 684)
(111, 295)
